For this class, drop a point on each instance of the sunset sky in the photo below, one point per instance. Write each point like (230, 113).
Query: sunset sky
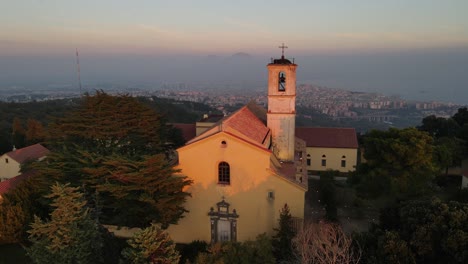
(39, 27)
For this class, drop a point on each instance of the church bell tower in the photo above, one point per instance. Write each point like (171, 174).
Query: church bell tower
(281, 116)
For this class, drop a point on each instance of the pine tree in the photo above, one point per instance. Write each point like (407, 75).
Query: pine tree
(12, 220)
(151, 245)
(18, 133)
(139, 192)
(109, 124)
(114, 145)
(34, 132)
(282, 241)
(71, 235)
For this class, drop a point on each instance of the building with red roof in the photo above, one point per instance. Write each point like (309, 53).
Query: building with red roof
(329, 148)
(10, 162)
(8, 185)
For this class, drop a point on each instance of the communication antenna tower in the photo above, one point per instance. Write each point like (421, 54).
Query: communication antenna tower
(78, 70)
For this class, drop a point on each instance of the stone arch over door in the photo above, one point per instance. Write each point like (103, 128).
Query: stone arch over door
(223, 223)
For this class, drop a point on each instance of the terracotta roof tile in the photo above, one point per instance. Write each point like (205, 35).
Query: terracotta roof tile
(9, 184)
(327, 137)
(32, 152)
(248, 124)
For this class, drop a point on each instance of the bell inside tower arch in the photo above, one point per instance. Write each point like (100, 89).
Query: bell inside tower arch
(282, 81)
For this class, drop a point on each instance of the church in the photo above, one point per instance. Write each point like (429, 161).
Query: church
(245, 168)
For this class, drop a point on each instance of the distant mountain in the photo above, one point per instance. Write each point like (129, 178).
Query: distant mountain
(241, 55)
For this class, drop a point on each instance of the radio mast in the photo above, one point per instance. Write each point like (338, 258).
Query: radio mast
(78, 70)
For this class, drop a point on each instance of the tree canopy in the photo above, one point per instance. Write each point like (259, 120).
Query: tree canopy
(151, 245)
(419, 231)
(115, 146)
(71, 235)
(398, 161)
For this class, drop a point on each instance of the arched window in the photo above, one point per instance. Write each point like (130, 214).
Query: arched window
(282, 81)
(308, 159)
(343, 161)
(224, 173)
(324, 161)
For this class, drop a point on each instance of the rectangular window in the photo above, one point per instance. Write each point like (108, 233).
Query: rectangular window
(324, 162)
(308, 162)
(343, 163)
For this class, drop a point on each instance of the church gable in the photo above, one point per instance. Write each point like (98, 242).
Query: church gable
(244, 123)
(207, 154)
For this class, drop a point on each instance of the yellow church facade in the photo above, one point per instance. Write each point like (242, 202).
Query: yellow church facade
(253, 194)
(245, 168)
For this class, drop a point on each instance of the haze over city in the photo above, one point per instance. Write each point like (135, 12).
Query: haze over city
(416, 49)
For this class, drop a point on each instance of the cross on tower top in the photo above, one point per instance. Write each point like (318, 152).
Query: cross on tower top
(282, 47)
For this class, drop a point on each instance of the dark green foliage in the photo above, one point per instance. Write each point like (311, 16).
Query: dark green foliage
(461, 196)
(282, 240)
(178, 111)
(113, 145)
(18, 134)
(451, 135)
(112, 246)
(461, 117)
(17, 210)
(398, 162)
(35, 132)
(171, 110)
(387, 247)
(12, 222)
(151, 245)
(439, 127)
(420, 231)
(109, 125)
(189, 252)
(259, 251)
(13, 253)
(328, 195)
(70, 235)
(40, 111)
(138, 192)
(448, 152)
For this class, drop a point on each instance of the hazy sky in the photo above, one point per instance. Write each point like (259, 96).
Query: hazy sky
(414, 48)
(223, 27)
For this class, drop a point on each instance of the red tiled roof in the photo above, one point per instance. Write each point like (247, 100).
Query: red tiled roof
(327, 137)
(32, 152)
(248, 124)
(288, 169)
(188, 130)
(9, 184)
